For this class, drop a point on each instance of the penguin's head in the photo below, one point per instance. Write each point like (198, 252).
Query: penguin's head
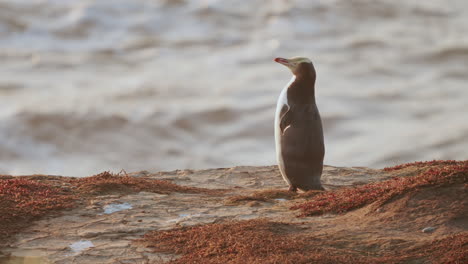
(298, 65)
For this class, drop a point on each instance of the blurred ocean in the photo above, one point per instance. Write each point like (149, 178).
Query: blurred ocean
(93, 85)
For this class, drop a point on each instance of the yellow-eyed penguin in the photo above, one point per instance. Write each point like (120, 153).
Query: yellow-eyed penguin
(299, 140)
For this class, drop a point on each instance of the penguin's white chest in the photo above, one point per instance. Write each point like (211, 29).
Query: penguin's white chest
(282, 100)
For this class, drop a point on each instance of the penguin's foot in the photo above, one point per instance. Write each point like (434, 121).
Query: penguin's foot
(292, 189)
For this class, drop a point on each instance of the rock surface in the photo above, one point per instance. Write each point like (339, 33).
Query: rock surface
(108, 237)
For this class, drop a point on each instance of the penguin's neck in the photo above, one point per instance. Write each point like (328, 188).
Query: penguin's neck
(302, 89)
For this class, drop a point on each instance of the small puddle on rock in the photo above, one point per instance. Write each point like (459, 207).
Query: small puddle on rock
(116, 207)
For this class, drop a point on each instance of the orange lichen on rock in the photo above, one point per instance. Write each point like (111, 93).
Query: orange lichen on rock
(252, 241)
(343, 200)
(23, 200)
(107, 183)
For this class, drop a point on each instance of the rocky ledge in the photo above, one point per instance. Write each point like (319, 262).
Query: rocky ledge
(412, 213)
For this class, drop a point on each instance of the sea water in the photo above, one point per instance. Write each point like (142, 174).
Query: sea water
(90, 85)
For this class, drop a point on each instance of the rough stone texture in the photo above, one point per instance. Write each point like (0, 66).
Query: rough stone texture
(112, 234)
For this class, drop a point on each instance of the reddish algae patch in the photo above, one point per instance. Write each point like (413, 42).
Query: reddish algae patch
(27, 198)
(422, 164)
(23, 200)
(252, 241)
(452, 249)
(343, 200)
(263, 241)
(106, 183)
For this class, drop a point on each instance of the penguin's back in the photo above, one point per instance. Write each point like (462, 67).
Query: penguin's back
(302, 146)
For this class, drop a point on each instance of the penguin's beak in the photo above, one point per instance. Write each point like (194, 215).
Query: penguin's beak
(288, 63)
(283, 61)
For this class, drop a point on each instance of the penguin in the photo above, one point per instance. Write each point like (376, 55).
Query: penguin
(299, 141)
